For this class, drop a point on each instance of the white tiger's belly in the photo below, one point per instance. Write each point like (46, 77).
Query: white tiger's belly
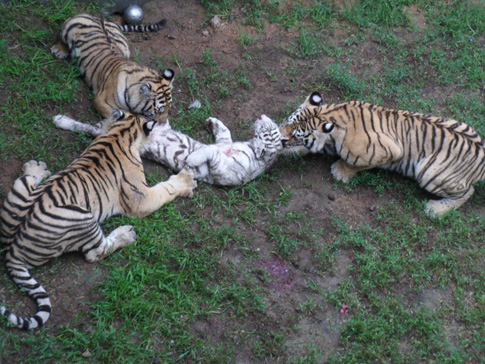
(233, 165)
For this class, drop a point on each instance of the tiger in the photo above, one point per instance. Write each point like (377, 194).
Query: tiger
(225, 163)
(40, 221)
(446, 157)
(102, 54)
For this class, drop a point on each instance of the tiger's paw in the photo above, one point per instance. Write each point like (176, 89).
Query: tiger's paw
(435, 209)
(37, 170)
(64, 122)
(122, 236)
(341, 172)
(212, 125)
(215, 126)
(186, 182)
(60, 50)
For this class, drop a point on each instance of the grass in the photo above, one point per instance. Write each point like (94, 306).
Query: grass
(191, 289)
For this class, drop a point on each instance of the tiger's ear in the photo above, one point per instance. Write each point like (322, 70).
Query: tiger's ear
(168, 74)
(316, 99)
(148, 127)
(145, 90)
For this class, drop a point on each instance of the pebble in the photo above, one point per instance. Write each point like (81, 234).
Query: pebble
(373, 208)
(331, 197)
(216, 21)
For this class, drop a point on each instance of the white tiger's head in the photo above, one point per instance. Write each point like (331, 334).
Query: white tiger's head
(307, 126)
(267, 138)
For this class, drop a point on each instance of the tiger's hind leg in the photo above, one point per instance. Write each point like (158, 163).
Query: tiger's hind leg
(437, 208)
(119, 238)
(60, 50)
(77, 230)
(221, 133)
(18, 199)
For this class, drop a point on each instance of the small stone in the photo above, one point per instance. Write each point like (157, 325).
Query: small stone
(205, 33)
(216, 21)
(86, 354)
(331, 197)
(373, 208)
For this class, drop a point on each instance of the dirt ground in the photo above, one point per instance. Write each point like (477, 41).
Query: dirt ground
(273, 87)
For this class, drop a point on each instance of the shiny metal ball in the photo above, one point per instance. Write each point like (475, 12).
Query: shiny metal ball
(133, 15)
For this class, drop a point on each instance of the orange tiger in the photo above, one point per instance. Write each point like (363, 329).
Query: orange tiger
(446, 157)
(102, 54)
(40, 221)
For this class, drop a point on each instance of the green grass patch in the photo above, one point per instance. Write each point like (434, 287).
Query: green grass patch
(188, 290)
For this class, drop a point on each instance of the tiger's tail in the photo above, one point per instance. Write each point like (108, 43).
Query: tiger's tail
(150, 28)
(21, 276)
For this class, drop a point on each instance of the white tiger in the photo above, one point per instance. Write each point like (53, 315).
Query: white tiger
(224, 163)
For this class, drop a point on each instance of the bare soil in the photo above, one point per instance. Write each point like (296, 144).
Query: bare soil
(277, 78)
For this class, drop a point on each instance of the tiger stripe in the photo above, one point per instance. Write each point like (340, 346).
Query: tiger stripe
(41, 221)
(102, 54)
(446, 157)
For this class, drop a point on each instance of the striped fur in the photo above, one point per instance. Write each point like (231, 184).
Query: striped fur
(42, 221)
(224, 163)
(142, 28)
(446, 157)
(102, 55)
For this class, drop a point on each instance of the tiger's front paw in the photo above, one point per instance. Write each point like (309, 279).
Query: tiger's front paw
(37, 170)
(215, 126)
(340, 171)
(60, 50)
(210, 124)
(185, 182)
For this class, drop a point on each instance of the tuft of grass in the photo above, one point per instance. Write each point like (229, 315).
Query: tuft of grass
(385, 13)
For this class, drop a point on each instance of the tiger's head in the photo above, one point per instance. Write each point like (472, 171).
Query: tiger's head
(139, 126)
(155, 96)
(307, 126)
(267, 138)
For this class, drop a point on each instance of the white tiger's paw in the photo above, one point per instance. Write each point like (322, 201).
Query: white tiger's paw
(185, 182)
(64, 122)
(122, 236)
(214, 125)
(37, 170)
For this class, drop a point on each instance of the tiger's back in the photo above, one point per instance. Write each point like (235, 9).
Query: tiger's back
(102, 54)
(445, 156)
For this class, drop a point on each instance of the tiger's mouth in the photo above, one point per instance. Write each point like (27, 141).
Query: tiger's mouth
(291, 141)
